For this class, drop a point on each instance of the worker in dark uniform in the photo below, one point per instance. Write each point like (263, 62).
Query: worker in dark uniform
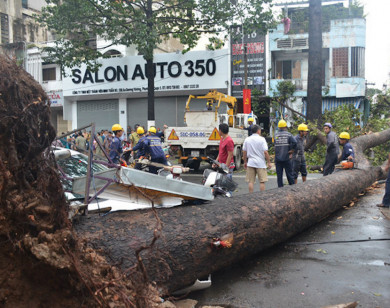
(299, 160)
(332, 150)
(116, 149)
(250, 125)
(285, 146)
(140, 147)
(154, 149)
(348, 153)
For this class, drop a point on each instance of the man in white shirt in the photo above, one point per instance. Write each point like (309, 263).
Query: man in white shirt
(255, 154)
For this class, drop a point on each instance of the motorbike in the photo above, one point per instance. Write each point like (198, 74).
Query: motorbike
(218, 178)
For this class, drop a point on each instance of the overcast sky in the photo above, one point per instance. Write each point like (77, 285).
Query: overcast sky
(377, 41)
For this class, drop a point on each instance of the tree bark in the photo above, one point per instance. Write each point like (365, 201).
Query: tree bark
(314, 84)
(150, 73)
(183, 250)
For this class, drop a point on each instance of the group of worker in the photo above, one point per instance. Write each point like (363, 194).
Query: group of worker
(290, 153)
(143, 145)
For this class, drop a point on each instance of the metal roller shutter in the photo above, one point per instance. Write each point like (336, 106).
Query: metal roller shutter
(104, 113)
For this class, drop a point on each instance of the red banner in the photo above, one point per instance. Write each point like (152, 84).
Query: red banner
(246, 95)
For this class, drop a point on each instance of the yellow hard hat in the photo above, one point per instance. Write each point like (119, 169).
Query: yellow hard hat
(116, 127)
(152, 130)
(303, 127)
(140, 130)
(282, 123)
(251, 120)
(345, 135)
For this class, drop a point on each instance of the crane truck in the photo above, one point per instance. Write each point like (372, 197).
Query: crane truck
(200, 138)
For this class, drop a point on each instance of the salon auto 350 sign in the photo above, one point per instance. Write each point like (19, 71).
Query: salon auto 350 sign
(193, 70)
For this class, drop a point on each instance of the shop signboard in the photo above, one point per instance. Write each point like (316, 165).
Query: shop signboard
(56, 98)
(255, 47)
(197, 70)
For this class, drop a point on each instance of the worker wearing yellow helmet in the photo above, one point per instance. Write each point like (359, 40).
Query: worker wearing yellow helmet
(251, 121)
(285, 146)
(348, 153)
(140, 147)
(298, 159)
(116, 149)
(135, 136)
(153, 147)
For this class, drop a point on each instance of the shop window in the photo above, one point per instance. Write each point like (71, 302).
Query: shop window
(340, 62)
(4, 26)
(357, 61)
(288, 69)
(49, 74)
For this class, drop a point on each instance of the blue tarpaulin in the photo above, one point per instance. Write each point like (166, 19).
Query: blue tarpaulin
(331, 103)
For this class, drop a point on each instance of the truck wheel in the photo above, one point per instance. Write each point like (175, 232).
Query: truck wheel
(237, 159)
(195, 165)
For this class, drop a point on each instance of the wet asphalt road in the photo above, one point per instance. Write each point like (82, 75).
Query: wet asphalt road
(293, 274)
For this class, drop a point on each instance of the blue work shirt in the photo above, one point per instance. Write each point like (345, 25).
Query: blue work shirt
(284, 142)
(249, 129)
(347, 151)
(116, 150)
(140, 147)
(153, 147)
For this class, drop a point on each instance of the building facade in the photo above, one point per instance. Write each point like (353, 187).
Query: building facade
(18, 28)
(117, 92)
(343, 61)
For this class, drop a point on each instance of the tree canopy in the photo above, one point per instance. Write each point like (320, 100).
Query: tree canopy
(144, 24)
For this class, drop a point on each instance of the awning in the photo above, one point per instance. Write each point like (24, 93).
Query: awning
(332, 103)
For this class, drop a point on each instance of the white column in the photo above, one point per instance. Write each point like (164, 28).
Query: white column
(349, 61)
(123, 113)
(74, 115)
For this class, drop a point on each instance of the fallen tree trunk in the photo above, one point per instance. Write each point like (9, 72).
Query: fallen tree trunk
(183, 250)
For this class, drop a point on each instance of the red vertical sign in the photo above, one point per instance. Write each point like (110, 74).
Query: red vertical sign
(246, 97)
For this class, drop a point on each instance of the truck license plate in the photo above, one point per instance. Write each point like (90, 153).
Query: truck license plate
(195, 153)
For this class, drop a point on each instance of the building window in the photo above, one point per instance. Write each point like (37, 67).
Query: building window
(25, 4)
(288, 69)
(340, 62)
(357, 61)
(4, 26)
(49, 74)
